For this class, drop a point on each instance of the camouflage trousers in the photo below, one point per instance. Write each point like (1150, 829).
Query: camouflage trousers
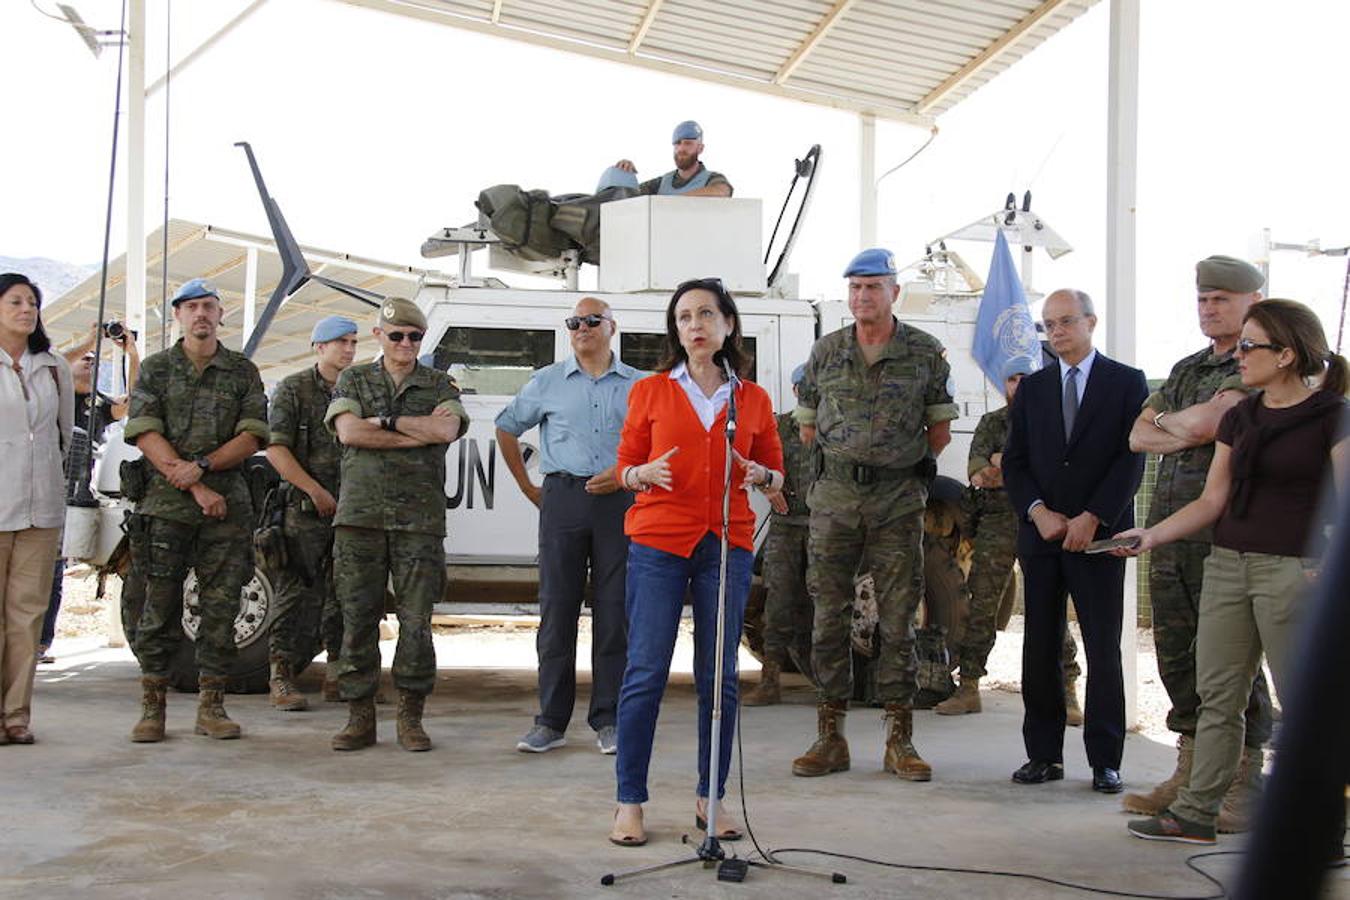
(991, 571)
(365, 561)
(1175, 575)
(894, 549)
(787, 604)
(133, 578)
(221, 555)
(306, 583)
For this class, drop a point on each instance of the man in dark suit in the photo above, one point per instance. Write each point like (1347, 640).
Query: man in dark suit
(1071, 477)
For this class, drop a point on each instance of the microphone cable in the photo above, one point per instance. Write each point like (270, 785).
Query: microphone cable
(770, 856)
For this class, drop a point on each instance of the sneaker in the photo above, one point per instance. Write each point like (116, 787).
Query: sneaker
(541, 739)
(607, 739)
(1168, 827)
(44, 656)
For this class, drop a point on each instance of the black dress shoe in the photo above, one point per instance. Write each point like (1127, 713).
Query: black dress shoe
(1107, 781)
(1039, 771)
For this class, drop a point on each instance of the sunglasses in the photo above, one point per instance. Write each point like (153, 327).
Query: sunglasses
(397, 337)
(708, 284)
(591, 321)
(1247, 345)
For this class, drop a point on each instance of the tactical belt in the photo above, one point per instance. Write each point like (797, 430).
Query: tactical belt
(839, 470)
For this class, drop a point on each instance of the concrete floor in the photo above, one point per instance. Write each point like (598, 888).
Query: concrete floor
(278, 814)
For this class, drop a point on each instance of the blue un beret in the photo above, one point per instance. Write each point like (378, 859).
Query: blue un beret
(330, 328)
(872, 261)
(1018, 365)
(193, 290)
(799, 374)
(688, 130)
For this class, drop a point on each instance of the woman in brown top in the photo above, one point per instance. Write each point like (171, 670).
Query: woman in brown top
(1262, 492)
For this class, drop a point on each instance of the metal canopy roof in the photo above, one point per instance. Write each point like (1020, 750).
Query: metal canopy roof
(906, 60)
(222, 256)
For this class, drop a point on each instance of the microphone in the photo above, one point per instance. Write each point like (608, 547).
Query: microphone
(720, 357)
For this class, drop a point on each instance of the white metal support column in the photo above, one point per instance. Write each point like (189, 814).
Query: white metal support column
(1122, 131)
(250, 292)
(135, 130)
(867, 180)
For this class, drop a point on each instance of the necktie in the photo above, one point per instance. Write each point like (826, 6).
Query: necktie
(1070, 401)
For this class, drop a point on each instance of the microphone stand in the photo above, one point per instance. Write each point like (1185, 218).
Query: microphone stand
(710, 852)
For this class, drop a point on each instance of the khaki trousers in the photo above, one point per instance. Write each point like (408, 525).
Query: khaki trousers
(26, 560)
(1249, 602)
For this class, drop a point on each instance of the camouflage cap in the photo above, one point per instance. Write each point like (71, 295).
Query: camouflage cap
(400, 311)
(1227, 273)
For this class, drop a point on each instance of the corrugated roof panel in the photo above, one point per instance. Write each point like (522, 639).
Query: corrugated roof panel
(886, 56)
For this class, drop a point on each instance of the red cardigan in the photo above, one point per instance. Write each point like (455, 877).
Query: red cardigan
(660, 416)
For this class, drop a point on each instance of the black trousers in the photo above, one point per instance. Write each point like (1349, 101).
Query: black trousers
(580, 533)
(1097, 584)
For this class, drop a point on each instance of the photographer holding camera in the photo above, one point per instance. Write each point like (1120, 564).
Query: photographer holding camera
(104, 410)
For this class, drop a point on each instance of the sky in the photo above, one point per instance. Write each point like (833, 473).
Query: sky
(374, 131)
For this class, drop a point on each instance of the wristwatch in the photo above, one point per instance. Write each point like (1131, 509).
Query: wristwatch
(1157, 420)
(202, 463)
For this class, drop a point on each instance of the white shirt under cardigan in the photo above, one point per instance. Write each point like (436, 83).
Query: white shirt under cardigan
(706, 407)
(37, 413)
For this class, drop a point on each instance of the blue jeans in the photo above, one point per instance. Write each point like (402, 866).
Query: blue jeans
(656, 586)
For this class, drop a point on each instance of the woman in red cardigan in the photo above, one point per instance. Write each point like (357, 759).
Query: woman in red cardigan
(673, 454)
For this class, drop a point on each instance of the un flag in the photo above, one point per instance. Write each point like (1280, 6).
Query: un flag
(1004, 330)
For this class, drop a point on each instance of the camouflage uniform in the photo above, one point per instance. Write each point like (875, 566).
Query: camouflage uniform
(787, 606)
(1175, 571)
(196, 414)
(995, 549)
(297, 423)
(869, 499)
(390, 525)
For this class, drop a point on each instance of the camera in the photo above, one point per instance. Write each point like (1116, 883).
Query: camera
(116, 331)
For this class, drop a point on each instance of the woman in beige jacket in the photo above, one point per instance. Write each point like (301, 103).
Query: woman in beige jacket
(37, 412)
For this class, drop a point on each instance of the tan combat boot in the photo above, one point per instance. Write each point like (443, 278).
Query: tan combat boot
(284, 695)
(901, 757)
(767, 692)
(360, 730)
(1156, 801)
(830, 751)
(411, 736)
(211, 718)
(1243, 794)
(1073, 713)
(965, 700)
(150, 729)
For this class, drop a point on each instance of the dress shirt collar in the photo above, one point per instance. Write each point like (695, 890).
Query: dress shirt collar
(1084, 369)
(706, 407)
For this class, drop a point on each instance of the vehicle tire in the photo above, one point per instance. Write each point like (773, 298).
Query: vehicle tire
(251, 627)
(946, 601)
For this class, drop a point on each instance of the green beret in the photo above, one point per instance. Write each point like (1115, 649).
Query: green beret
(399, 311)
(1226, 273)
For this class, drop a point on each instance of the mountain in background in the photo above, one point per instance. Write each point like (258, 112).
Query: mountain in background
(52, 276)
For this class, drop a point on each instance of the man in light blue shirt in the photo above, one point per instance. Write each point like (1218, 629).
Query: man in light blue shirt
(579, 405)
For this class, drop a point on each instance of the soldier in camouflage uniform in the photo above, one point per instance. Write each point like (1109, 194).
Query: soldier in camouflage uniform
(1179, 422)
(197, 412)
(995, 550)
(394, 418)
(878, 399)
(309, 459)
(787, 605)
